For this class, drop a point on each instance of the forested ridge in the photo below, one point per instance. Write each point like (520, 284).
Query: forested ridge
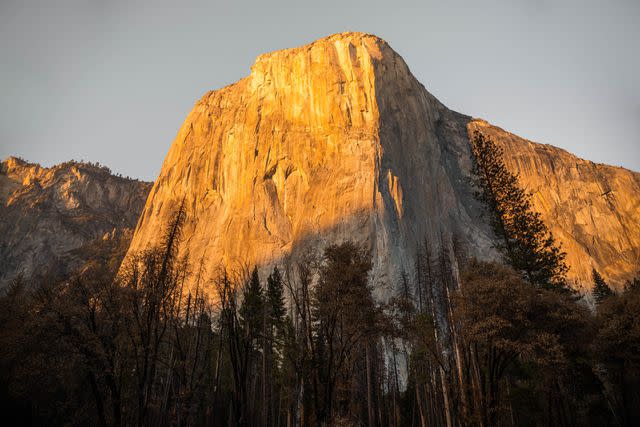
(463, 342)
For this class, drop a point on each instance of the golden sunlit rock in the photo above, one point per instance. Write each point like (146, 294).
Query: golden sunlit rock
(337, 140)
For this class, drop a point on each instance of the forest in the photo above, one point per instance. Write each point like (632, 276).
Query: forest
(462, 341)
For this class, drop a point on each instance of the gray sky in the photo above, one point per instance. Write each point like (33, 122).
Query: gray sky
(112, 80)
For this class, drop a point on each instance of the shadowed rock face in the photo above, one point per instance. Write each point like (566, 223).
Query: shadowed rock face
(330, 141)
(51, 219)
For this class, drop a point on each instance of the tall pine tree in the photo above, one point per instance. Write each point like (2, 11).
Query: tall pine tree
(275, 299)
(525, 241)
(601, 291)
(252, 309)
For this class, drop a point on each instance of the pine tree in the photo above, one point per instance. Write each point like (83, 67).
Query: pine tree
(251, 311)
(275, 298)
(601, 291)
(632, 285)
(343, 321)
(525, 241)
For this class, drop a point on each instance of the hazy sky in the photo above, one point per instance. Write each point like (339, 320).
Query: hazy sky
(111, 80)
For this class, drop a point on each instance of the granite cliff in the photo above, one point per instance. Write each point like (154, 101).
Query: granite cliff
(54, 220)
(337, 140)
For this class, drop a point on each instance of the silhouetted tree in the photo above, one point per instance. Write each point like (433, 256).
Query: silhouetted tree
(632, 285)
(275, 299)
(525, 241)
(601, 290)
(521, 339)
(616, 347)
(252, 309)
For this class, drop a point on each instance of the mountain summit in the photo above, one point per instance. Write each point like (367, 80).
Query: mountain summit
(337, 140)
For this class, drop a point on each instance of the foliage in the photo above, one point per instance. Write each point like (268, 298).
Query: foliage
(617, 349)
(525, 241)
(514, 328)
(601, 290)
(311, 345)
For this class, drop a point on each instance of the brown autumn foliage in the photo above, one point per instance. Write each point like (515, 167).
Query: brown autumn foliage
(507, 323)
(313, 347)
(616, 348)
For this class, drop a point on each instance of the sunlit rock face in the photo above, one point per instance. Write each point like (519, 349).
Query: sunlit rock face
(331, 141)
(592, 209)
(50, 216)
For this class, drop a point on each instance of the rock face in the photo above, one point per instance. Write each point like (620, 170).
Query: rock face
(53, 219)
(331, 141)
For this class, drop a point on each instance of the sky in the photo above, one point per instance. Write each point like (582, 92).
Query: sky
(112, 81)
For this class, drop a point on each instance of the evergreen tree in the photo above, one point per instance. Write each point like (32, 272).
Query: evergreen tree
(251, 311)
(601, 290)
(632, 285)
(526, 242)
(343, 320)
(275, 298)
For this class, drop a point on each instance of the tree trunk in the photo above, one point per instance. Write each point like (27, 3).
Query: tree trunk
(98, 398)
(445, 395)
(370, 413)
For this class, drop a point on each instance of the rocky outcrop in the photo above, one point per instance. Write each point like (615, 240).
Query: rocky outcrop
(330, 141)
(52, 219)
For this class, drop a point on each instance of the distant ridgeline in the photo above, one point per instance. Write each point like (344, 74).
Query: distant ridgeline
(53, 220)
